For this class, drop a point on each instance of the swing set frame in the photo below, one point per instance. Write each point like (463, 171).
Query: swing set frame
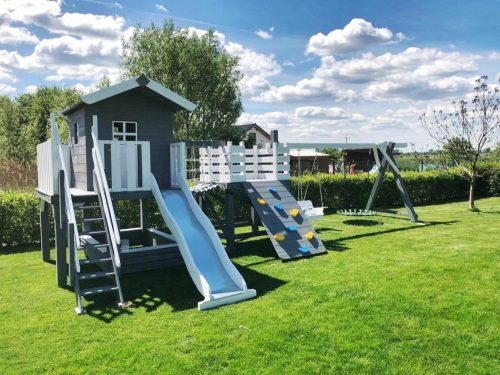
(384, 163)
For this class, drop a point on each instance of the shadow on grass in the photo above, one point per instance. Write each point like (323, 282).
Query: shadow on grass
(337, 245)
(171, 286)
(363, 222)
(19, 249)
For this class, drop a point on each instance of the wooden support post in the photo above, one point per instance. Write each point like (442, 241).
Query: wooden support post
(144, 214)
(230, 220)
(61, 268)
(44, 230)
(61, 228)
(254, 218)
(400, 183)
(378, 181)
(72, 255)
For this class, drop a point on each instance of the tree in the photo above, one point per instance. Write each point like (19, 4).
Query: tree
(335, 155)
(464, 132)
(195, 67)
(25, 120)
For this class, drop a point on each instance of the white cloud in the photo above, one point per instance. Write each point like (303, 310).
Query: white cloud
(264, 34)
(161, 8)
(422, 62)
(291, 64)
(6, 89)
(255, 67)
(31, 89)
(494, 55)
(48, 15)
(304, 90)
(14, 35)
(313, 123)
(357, 34)
(200, 32)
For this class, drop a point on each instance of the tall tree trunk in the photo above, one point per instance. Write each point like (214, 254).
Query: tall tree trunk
(472, 191)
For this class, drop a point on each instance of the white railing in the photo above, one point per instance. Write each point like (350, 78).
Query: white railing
(103, 191)
(107, 205)
(128, 173)
(177, 163)
(47, 155)
(68, 202)
(236, 164)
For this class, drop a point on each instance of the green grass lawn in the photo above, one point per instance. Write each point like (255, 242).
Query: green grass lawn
(393, 297)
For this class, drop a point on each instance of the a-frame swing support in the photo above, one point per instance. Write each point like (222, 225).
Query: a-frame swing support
(386, 149)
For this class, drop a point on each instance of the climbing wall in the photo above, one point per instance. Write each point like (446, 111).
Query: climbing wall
(292, 235)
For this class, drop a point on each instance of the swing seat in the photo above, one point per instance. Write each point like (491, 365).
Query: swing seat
(310, 211)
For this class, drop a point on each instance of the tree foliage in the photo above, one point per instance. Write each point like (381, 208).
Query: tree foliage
(465, 132)
(196, 68)
(25, 120)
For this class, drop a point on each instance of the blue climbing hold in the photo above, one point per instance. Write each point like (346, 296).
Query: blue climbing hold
(292, 228)
(278, 206)
(304, 249)
(272, 189)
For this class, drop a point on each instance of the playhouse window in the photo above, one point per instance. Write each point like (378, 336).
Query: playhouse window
(124, 131)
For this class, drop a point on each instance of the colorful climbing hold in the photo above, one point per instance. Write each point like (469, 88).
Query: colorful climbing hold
(304, 249)
(291, 228)
(310, 235)
(294, 212)
(279, 237)
(278, 206)
(261, 201)
(272, 189)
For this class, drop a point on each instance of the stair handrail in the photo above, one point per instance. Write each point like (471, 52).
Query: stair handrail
(68, 202)
(107, 209)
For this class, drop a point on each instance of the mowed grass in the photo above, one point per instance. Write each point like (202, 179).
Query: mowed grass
(389, 297)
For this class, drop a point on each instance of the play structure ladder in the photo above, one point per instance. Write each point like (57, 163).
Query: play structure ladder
(290, 232)
(98, 273)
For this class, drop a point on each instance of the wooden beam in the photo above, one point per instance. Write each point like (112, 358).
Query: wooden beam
(44, 230)
(343, 146)
(378, 180)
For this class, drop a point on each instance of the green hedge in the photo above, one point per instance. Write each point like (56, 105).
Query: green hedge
(19, 218)
(352, 191)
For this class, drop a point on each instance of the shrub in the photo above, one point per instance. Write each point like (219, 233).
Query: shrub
(19, 218)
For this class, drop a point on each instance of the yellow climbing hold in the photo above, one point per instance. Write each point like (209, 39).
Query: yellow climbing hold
(310, 235)
(294, 212)
(261, 201)
(279, 237)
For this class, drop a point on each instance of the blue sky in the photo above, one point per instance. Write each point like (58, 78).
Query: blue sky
(315, 70)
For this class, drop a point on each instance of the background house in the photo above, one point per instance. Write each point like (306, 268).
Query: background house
(255, 135)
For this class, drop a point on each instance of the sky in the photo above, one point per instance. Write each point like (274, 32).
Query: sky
(314, 70)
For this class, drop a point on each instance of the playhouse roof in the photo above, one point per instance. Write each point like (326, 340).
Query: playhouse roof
(140, 81)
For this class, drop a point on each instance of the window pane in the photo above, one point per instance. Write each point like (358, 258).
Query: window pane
(118, 127)
(130, 138)
(118, 137)
(130, 127)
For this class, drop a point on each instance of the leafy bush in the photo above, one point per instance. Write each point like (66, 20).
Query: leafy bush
(19, 218)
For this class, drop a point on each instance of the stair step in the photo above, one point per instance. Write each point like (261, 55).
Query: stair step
(87, 207)
(94, 261)
(92, 232)
(94, 275)
(98, 290)
(89, 219)
(94, 246)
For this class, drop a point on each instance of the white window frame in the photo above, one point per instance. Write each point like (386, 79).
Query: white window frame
(124, 134)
